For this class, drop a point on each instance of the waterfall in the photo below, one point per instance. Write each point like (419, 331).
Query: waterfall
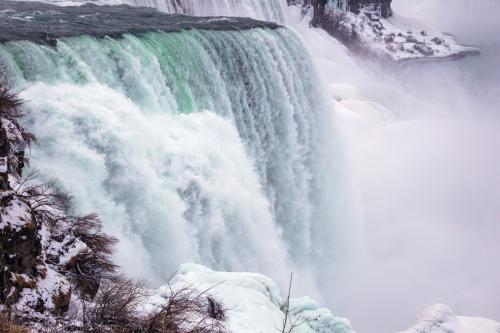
(194, 146)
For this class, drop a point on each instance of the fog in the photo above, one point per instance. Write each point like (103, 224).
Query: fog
(428, 181)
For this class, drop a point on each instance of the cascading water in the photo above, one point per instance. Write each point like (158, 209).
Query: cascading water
(194, 146)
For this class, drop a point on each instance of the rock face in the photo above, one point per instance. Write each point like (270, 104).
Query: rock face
(20, 245)
(33, 258)
(19, 248)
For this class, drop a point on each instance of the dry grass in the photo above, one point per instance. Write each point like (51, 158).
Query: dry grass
(8, 326)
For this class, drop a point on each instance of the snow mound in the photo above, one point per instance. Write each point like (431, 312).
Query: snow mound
(318, 319)
(254, 302)
(440, 319)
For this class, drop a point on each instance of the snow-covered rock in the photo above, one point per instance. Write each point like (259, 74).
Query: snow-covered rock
(254, 302)
(440, 319)
(366, 31)
(382, 37)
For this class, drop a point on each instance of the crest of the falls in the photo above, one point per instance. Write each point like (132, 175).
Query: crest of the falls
(195, 146)
(268, 10)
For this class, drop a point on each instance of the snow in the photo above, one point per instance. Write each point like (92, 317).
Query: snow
(318, 319)
(15, 214)
(254, 304)
(385, 38)
(254, 301)
(440, 319)
(46, 289)
(3, 164)
(64, 249)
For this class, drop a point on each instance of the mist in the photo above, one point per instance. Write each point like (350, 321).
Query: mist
(426, 177)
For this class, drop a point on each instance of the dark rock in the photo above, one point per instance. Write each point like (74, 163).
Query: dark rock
(4, 164)
(411, 39)
(424, 49)
(437, 41)
(389, 39)
(19, 250)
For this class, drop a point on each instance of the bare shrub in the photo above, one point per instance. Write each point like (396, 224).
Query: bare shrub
(43, 198)
(289, 324)
(11, 106)
(94, 264)
(88, 229)
(116, 305)
(187, 310)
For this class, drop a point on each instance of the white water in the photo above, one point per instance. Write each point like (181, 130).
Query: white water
(194, 146)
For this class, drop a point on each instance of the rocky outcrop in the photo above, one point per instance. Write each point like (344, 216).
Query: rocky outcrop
(362, 26)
